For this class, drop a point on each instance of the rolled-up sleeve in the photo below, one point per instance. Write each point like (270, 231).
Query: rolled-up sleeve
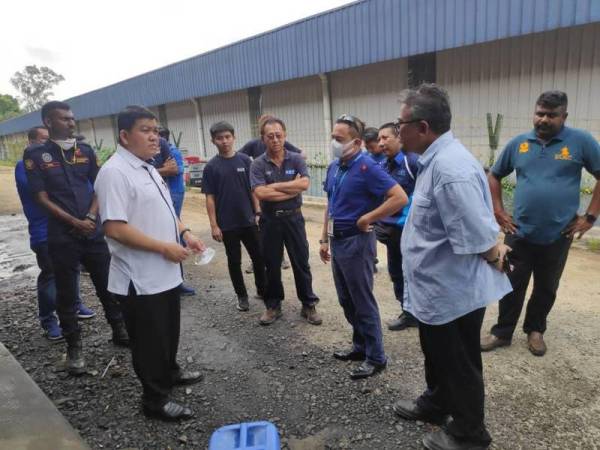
(466, 217)
(113, 192)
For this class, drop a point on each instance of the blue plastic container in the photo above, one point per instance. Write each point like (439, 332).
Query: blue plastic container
(246, 436)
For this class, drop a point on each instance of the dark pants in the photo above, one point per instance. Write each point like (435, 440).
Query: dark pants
(46, 287)
(66, 255)
(546, 263)
(454, 374)
(288, 231)
(352, 265)
(153, 325)
(248, 236)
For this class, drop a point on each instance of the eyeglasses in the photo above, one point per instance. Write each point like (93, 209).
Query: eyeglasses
(352, 121)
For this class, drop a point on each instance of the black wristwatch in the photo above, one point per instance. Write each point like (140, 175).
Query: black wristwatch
(590, 218)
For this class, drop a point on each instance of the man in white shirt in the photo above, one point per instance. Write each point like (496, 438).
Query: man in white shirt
(145, 239)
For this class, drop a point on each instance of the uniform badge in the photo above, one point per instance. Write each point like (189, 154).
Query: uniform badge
(46, 157)
(290, 172)
(29, 164)
(241, 169)
(524, 147)
(564, 154)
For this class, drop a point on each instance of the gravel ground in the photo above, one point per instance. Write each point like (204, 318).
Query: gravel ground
(285, 373)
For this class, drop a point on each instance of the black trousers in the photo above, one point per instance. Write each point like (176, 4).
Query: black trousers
(153, 325)
(250, 237)
(66, 254)
(546, 263)
(454, 374)
(288, 231)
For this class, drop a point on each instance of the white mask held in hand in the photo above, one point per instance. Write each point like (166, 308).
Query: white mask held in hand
(339, 150)
(65, 144)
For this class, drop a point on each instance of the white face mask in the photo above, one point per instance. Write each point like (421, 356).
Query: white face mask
(65, 144)
(339, 150)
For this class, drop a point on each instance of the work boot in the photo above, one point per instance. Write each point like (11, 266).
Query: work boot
(491, 342)
(270, 315)
(75, 362)
(535, 343)
(311, 315)
(119, 334)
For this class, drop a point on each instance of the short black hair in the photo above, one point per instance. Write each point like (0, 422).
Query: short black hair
(553, 99)
(53, 105)
(370, 135)
(430, 103)
(271, 121)
(391, 125)
(164, 133)
(32, 134)
(221, 127)
(126, 118)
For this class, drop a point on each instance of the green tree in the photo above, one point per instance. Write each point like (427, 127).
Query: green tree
(35, 85)
(9, 107)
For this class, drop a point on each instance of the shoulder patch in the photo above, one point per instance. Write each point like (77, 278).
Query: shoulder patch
(46, 157)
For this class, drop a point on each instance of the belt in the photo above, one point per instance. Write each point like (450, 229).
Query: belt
(285, 212)
(346, 232)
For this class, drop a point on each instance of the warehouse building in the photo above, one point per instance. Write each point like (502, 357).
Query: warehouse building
(493, 56)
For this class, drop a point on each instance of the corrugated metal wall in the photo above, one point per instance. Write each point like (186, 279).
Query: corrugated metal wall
(299, 103)
(232, 107)
(105, 132)
(369, 92)
(507, 76)
(181, 117)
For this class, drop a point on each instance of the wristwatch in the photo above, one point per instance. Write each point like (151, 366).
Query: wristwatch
(590, 218)
(91, 216)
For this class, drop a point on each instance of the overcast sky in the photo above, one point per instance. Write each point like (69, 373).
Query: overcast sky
(94, 44)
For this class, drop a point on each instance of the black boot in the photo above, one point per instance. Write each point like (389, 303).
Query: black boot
(119, 334)
(75, 362)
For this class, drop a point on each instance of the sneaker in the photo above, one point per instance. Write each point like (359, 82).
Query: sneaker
(186, 291)
(270, 315)
(84, 312)
(242, 303)
(53, 332)
(311, 315)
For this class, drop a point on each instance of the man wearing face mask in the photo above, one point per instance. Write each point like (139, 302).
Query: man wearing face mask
(355, 185)
(60, 174)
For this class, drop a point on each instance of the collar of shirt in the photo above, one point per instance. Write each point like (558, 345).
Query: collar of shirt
(133, 160)
(561, 136)
(286, 155)
(435, 147)
(350, 162)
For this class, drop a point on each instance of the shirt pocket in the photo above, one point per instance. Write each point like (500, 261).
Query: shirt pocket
(420, 209)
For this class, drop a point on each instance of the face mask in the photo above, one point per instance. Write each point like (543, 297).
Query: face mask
(65, 144)
(339, 150)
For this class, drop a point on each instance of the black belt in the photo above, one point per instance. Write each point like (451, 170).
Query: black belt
(346, 232)
(284, 212)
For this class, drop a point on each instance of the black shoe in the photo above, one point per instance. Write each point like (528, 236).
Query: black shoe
(170, 411)
(187, 378)
(349, 355)
(242, 303)
(410, 410)
(75, 363)
(403, 322)
(366, 370)
(441, 440)
(119, 334)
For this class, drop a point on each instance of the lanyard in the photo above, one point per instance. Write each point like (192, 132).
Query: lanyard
(337, 183)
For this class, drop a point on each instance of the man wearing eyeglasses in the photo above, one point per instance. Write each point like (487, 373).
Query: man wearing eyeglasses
(278, 178)
(355, 185)
(453, 269)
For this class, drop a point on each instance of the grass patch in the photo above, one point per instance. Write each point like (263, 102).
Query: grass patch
(593, 244)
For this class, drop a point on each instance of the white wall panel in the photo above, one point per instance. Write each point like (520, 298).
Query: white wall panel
(369, 92)
(85, 129)
(181, 118)
(104, 132)
(299, 103)
(231, 107)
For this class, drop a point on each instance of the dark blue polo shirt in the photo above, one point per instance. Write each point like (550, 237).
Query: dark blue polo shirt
(67, 177)
(228, 179)
(379, 159)
(402, 168)
(37, 218)
(355, 188)
(548, 185)
(257, 147)
(263, 172)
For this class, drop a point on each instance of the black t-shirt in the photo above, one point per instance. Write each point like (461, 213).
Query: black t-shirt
(257, 147)
(228, 179)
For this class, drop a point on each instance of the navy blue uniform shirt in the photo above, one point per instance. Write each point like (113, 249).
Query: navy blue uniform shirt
(37, 218)
(257, 147)
(402, 168)
(228, 179)
(66, 176)
(355, 188)
(264, 171)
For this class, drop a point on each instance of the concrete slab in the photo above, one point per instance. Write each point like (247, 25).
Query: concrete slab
(28, 419)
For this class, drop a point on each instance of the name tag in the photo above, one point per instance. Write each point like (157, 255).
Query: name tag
(290, 171)
(241, 169)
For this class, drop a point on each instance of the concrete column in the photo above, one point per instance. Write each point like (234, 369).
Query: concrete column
(200, 124)
(327, 123)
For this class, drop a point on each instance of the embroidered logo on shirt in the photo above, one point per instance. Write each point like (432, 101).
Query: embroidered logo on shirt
(524, 147)
(46, 157)
(268, 172)
(564, 154)
(241, 169)
(290, 172)
(29, 164)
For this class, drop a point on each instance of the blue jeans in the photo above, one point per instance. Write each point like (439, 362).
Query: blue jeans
(46, 288)
(177, 198)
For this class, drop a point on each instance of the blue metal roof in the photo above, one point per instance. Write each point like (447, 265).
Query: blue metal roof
(359, 33)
